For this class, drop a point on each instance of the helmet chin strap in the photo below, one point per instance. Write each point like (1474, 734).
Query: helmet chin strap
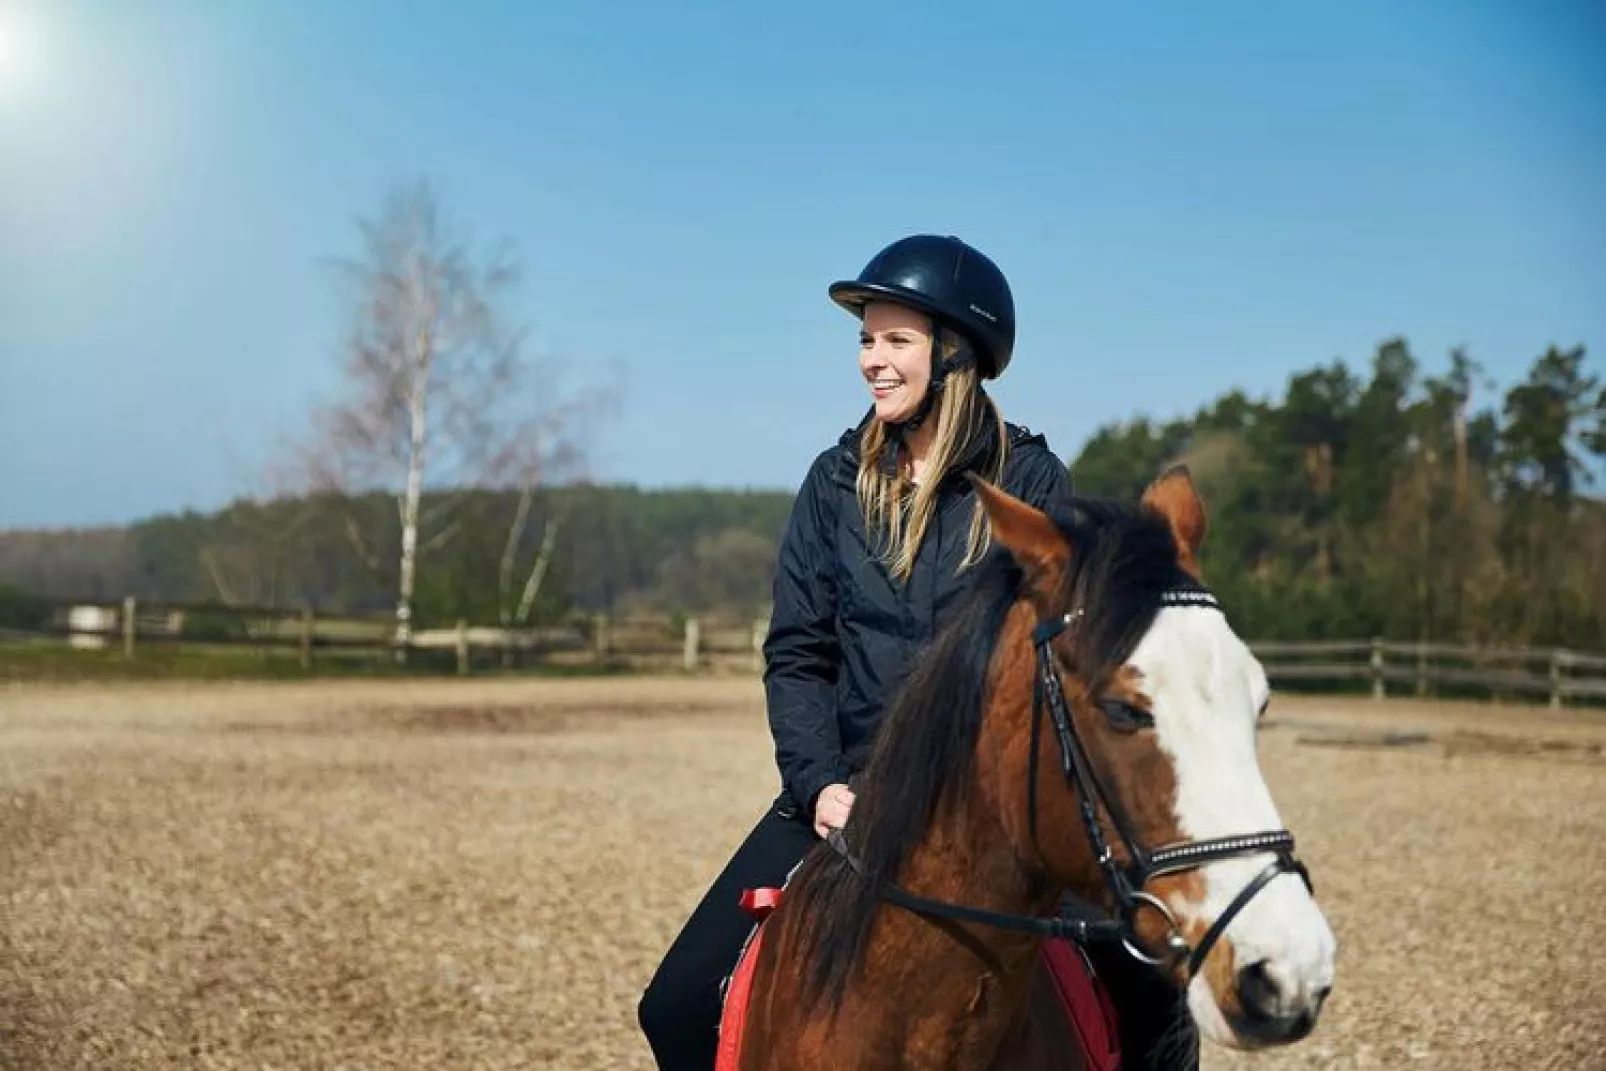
(898, 432)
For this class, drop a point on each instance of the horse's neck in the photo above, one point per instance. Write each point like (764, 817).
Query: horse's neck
(963, 989)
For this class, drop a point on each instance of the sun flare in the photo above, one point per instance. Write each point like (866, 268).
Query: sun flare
(18, 43)
(10, 43)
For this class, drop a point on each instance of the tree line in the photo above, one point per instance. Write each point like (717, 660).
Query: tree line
(1387, 503)
(614, 549)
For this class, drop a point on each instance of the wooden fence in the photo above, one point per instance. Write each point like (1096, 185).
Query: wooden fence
(690, 643)
(693, 644)
(1426, 668)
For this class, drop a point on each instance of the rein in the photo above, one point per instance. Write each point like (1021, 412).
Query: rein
(1126, 884)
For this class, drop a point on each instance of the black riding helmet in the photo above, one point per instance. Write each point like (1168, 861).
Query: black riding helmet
(949, 280)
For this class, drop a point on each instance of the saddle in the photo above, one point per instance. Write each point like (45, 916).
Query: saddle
(1066, 983)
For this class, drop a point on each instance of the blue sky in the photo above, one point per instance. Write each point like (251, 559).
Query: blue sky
(1188, 197)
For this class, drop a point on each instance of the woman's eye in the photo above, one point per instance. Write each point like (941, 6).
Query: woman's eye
(1124, 717)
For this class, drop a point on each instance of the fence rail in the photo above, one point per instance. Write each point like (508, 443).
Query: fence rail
(694, 643)
(1426, 666)
(691, 642)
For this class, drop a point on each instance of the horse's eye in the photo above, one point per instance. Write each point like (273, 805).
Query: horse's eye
(1124, 717)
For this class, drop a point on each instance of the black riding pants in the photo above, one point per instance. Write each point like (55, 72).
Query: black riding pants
(680, 1010)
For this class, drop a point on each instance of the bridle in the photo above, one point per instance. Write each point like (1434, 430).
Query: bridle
(1125, 882)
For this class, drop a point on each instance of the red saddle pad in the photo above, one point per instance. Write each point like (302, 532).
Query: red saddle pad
(1086, 1004)
(758, 903)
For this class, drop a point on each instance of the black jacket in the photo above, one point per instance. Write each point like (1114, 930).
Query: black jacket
(843, 631)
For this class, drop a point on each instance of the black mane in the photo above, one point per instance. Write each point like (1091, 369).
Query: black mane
(1122, 559)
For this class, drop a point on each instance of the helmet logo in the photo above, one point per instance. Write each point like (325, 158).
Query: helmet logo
(983, 312)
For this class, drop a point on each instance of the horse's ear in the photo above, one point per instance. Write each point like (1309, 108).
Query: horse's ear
(1174, 497)
(1026, 532)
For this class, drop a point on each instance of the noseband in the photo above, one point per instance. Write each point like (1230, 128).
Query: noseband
(1126, 883)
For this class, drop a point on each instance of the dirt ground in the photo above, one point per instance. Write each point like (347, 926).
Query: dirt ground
(482, 875)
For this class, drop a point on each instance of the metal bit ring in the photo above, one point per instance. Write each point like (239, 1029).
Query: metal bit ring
(1176, 945)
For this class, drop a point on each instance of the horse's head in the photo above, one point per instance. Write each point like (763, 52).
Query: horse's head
(1160, 700)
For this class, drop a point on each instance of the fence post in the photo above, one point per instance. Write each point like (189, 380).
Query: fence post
(462, 647)
(599, 636)
(688, 656)
(306, 637)
(1558, 659)
(1378, 690)
(130, 626)
(1421, 669)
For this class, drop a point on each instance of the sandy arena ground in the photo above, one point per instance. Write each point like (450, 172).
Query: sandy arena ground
(482, 875)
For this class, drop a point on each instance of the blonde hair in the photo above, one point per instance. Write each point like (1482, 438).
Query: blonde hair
(898, 508)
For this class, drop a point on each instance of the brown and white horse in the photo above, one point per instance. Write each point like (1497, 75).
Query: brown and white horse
(1086, 724)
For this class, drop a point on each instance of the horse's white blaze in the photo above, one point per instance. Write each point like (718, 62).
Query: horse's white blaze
(1207, 690)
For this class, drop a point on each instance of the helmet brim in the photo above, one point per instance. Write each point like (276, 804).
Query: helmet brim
(853, 296)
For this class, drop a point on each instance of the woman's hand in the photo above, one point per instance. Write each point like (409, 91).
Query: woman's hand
(831, 809)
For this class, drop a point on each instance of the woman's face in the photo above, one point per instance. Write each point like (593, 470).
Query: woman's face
(895, 358)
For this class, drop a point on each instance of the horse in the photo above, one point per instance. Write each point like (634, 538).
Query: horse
(914, 936)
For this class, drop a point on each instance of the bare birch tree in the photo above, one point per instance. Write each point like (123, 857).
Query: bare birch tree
(436, 385)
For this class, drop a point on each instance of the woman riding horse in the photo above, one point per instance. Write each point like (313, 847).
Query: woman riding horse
(876, 555)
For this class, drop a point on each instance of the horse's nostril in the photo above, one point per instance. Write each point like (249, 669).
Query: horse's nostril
(1271, 1011)
(1258, 992)
(1321, 995)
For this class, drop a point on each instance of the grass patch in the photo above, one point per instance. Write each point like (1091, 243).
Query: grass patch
(52, 662)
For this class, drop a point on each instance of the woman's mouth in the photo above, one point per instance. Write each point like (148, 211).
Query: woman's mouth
(884, 388)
